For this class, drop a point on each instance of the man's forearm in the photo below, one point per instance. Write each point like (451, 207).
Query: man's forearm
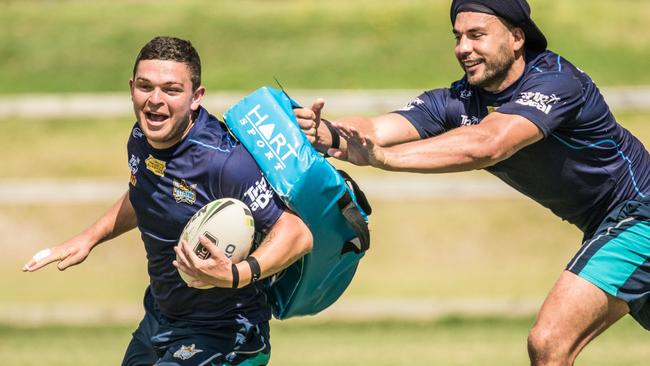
(119, 219)
(446, 153)
(498, 137)
(288, 240)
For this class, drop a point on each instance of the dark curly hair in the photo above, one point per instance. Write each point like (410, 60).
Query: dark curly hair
(172, 49)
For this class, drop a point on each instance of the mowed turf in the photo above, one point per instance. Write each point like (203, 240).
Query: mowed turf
(73, 148)
(433, 250)
(451, 248)
(449, 342)
(82, 46)
(444, 249)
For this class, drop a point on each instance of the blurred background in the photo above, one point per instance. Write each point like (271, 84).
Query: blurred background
(459, 263)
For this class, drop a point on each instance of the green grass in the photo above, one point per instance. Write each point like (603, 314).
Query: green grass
(115, 272)
(65, 148)
(80, 46)
(97, 147)
(449, 342)
(500, 255)
(514, 248)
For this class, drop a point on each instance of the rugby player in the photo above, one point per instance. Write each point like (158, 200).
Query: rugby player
(181, 158)
(540, 124)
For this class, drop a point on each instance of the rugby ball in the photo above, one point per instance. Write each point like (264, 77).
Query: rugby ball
(227, 223)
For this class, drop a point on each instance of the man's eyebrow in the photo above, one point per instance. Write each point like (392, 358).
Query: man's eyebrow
(471, 30)
(143, 79)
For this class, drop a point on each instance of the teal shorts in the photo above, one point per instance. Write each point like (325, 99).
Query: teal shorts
(616, 257)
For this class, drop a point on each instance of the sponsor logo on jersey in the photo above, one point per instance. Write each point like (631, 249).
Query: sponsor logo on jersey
(259, 195)
(186, 352)
(468, 121)
(134, 161)
(133, 164)
(155, 166)
(184, 192)
(538, 100)
(137, 133)
(412, 104)
(274, 142)
(465, 94)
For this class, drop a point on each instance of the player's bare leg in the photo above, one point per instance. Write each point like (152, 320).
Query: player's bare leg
(574, 313)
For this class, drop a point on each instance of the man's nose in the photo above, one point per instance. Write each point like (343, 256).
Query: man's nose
(155, 97)
(463, 46)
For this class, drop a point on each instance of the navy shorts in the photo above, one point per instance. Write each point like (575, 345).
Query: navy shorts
(163, 342)
(616, 257)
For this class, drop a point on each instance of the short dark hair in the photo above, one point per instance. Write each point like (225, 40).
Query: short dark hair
(172, 49)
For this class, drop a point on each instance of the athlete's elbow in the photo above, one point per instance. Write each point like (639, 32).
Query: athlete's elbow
(488, 152)
(304, 241)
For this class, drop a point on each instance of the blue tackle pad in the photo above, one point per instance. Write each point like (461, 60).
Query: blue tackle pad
(327, 200)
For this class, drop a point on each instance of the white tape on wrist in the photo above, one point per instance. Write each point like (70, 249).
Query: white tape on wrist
(42, 254)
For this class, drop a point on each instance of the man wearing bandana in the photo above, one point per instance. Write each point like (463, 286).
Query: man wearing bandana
(540, 124)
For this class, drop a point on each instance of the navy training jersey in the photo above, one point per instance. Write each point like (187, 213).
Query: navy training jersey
(586, 163)
(168, 186)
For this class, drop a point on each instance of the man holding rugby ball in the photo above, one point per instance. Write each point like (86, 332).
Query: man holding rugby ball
(182, 158)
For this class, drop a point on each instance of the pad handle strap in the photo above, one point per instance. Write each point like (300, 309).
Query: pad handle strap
(351, 212)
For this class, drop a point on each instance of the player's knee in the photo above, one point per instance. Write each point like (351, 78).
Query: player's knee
(546, 347)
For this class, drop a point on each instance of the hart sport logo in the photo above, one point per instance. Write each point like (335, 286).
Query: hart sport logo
(275, 143)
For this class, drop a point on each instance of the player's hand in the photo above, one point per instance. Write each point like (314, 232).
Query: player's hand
(361, 149)
(309, 120)
(215, 271)
(70, 253)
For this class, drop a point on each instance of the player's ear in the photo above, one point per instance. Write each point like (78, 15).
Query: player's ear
(197, 97)
(519, 38)
(131, 87)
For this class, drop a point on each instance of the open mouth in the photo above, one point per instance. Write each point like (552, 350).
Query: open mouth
(155, 117)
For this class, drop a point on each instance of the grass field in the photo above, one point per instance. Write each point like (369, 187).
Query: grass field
(81, 46)
(53, 146)
(499, 255)
(507, 249)
(458, 249)
(448, 342)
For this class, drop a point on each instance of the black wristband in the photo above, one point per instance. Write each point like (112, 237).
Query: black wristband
(235, 276)
(336, 139)
(256, 272)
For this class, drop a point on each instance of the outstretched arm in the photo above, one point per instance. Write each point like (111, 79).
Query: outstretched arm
(384, 130)
(119, 219)
(287, 241)
(496, 138)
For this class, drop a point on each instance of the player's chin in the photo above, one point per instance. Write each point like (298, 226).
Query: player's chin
(475, 79)
(157, 137)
